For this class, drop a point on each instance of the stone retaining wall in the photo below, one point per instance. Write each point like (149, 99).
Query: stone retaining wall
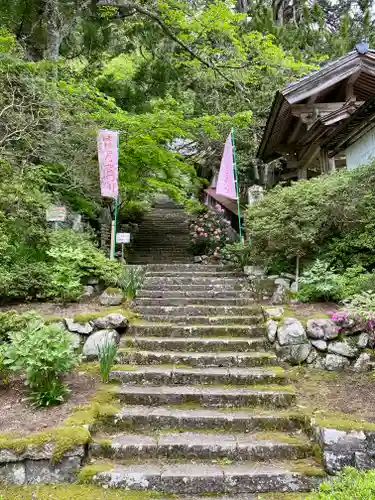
(317, 343)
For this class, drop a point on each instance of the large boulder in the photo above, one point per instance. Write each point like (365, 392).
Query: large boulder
(295, 354)
(291, 332)
(111, 321)
(321, 345)
(111, 297)
(279, 296)
(343, 348)
(321, 328)
(363, 340)
(74, 327)
(274, 312)
(271, 330)
(334, 362)
(97, 340)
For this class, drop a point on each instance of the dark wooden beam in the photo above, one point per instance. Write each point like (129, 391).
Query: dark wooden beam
(349, 93)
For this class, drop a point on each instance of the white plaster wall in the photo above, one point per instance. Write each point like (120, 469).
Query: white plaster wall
(362, 151)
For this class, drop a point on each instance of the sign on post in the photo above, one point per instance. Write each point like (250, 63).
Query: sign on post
(56, 213)
(123, 238)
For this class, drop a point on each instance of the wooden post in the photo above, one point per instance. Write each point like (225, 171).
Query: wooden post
(302, 173)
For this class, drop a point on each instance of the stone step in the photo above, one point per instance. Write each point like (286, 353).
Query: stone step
(202, 478)
(195, 292)
(173, 331)
(195, 310)
(194, 344)
(180, 301)
(149, 375)
(202, 320)
(143, 418)
(187, 274)
(237, 282)
(206, 396)
(197, 359)
(190, 445)
(185, 267)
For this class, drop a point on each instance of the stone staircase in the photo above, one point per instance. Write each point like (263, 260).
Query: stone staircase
(206, 409)
(163, 235)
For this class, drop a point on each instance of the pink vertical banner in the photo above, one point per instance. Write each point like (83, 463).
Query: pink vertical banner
(108, 162)
(225, 183)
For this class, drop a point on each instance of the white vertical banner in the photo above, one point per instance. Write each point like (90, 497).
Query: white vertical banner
(108, 163)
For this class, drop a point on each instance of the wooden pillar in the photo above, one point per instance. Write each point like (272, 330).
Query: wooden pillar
(324, 161)
(302, 172)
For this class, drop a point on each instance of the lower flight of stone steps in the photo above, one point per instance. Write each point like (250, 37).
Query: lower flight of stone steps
(194, 292)
(200, 477)
(193, 331)
(189, 445)
(196, 359)
(194, 344)
(195, 310)
(148, 375)
(190, 301)
(214, 397)
(194, 417)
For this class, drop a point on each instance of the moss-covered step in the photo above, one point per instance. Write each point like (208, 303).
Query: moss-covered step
(190, 445)
(197, 273)
(147, 375)
(204, 478)
(220, 319)
(266, 396)
(196, 359)
(172, 331)
(197, 310)
(193, 280)
(193, 300)
(184, 267)
(195, 292)
(194, 417)
(194, 344)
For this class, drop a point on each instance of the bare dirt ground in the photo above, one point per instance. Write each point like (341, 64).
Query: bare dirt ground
(16, 414)
(346, 393)
(54, 309)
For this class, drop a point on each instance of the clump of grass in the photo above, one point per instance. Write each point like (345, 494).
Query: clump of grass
(106, 354)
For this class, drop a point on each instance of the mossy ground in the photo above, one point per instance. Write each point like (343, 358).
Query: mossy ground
(73, 491)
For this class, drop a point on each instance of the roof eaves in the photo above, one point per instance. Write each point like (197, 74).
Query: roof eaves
(276, 105)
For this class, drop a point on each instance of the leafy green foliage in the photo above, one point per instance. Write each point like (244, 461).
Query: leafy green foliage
(349, 484)
(46, 353)
(131, 280)
(12, 321)
(329, 217)
(106, 354)
(319, 282)
(237, 255)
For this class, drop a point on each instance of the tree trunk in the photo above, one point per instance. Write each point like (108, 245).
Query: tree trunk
(53, 22)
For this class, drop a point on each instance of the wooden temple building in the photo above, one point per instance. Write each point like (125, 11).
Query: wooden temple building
(324, 121)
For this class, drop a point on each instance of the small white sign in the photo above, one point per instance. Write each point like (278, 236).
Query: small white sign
(56, 213)
(123, 238)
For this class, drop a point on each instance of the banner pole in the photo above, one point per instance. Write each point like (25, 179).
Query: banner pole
(114, 222)
(236, 180)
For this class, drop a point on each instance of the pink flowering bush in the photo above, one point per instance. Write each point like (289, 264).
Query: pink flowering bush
(210, 232)
(351, 321)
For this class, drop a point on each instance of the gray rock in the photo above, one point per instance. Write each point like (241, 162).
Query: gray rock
(93, 281)
(271, 330)
(111, 297)
(285, 283)
(343, 348)
(342, 440)
(363, 363)
(291, 332)
(13, 473)
(37, 452)
(279, 296)
(294, 287)
(334, 462)
(98, 339)
(110, 321)
(197, 259)
(43, 472)
(321, 345)
(363, 340)
(294, 354)
(322, 329)
(74, 327)
(362, 461)
(312, 356)
(88, 291)
(318, 363)
(254, 271)
(334, 362)
(76, 340)
(273, 312)
(290, 276)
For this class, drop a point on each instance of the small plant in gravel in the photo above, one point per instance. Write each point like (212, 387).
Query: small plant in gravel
(106, 354)
(46, 353)
(132, 280)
